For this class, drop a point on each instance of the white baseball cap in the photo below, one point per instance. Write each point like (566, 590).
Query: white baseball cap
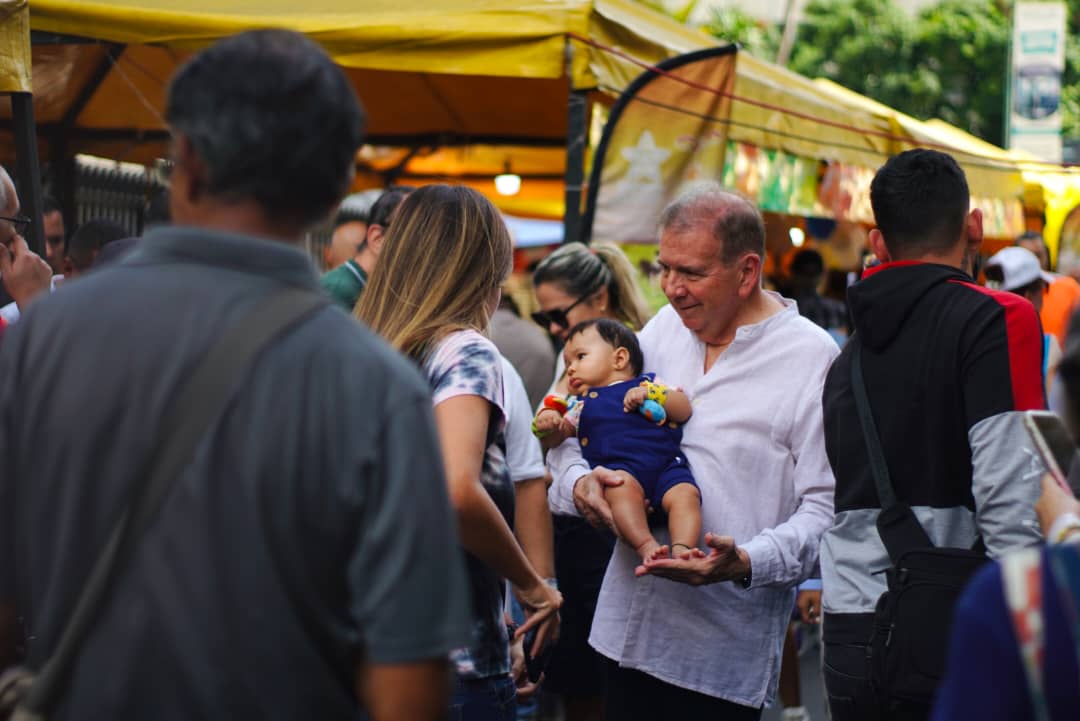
(1017, 267)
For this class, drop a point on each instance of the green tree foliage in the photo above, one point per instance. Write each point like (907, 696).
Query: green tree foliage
(962, 51)
(1070, 84)
(950, 61)
(732, 25)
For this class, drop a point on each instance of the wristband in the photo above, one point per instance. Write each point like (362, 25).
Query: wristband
(552, 582)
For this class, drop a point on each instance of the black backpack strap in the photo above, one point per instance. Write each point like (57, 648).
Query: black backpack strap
(897, 525)
(197, 403)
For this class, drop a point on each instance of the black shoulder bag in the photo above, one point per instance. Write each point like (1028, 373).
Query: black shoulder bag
(912, 619)
(29, 696)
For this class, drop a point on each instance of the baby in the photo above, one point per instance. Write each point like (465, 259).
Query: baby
(608, 393)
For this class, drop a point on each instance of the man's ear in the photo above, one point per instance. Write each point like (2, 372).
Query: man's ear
(190, 177)
(877, 246)
(750, 266)
(375, 235)
(622, 358)
(973, 231)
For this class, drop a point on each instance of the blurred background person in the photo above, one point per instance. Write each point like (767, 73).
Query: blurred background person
(346, 282)
(527, 347)
(1017, 270)
(55, 233)
(1062, 293)
(349, 234)
(806, 274)
(86, 243)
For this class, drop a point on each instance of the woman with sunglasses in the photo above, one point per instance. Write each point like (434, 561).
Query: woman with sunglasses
(431, 296)
(574, 284)
(578, 283)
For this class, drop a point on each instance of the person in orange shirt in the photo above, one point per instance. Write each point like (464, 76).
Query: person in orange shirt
(1062, 294)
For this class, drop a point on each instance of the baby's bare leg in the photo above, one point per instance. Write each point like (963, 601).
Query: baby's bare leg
(682, 503)
(628, 510)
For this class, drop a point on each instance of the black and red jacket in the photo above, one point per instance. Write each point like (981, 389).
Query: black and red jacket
(949, 366)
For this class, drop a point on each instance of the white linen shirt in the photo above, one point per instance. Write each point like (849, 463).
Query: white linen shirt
(756, 447)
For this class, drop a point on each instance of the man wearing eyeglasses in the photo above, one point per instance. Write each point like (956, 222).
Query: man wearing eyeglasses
(24, 274)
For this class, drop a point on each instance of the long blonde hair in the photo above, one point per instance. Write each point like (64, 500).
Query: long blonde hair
(581, 270)
(445, 253)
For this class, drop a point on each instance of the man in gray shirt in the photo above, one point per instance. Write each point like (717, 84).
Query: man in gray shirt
(304, 559)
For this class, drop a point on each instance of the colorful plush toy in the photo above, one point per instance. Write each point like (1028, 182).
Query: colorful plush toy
(569, 407)
(653, 411)
(655, 398)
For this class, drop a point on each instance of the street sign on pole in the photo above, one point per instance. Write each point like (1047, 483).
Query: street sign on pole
(1036, 67)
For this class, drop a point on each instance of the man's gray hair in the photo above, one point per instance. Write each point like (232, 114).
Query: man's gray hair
(732, 220)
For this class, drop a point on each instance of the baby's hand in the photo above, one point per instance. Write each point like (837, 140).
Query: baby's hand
(547, 421)
(634, 398)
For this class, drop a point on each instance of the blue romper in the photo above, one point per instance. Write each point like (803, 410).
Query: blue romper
(630, 442)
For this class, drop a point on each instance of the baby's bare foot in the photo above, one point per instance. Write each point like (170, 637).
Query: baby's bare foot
(649, 550)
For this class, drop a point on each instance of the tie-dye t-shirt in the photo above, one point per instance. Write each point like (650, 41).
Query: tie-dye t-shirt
(466, 363)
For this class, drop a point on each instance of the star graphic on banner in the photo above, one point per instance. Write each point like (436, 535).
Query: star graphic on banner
(645, 160)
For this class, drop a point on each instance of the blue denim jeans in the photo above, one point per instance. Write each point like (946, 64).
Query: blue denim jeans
(484, 699)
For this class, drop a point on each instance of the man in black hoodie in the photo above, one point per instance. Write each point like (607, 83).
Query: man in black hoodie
(949, 366)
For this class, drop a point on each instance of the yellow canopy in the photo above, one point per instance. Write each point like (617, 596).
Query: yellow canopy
(438, 70)
(468, 85)
(14, 46)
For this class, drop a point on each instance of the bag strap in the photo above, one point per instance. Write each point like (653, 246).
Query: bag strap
(198, 402)
(1021, 576)
(897, 524)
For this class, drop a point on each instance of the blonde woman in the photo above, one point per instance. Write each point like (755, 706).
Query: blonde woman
(431, 296)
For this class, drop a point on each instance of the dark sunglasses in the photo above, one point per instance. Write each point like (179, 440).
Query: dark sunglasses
(544, 318)
(19, 223)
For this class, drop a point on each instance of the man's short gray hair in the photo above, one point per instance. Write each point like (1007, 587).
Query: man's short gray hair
(733, 221)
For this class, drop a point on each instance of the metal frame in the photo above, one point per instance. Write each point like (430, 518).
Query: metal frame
(27, 168)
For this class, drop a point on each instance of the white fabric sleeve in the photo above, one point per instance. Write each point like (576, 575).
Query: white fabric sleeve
(566, 466)
(523, 453)
(788, 553)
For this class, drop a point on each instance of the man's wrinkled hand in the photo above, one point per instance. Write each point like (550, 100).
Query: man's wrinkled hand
(724, 562)
(589, 496)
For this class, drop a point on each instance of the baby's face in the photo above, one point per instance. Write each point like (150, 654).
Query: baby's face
(591, 362)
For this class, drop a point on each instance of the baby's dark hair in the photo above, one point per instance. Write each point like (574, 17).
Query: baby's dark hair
(616, 335)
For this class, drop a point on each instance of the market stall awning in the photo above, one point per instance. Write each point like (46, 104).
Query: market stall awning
(14, 46)
(442, 72)
(454, 89)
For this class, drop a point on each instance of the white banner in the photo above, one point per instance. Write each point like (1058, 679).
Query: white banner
(1038, 60)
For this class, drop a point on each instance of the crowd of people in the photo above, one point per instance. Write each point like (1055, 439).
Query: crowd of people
(232, 488)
